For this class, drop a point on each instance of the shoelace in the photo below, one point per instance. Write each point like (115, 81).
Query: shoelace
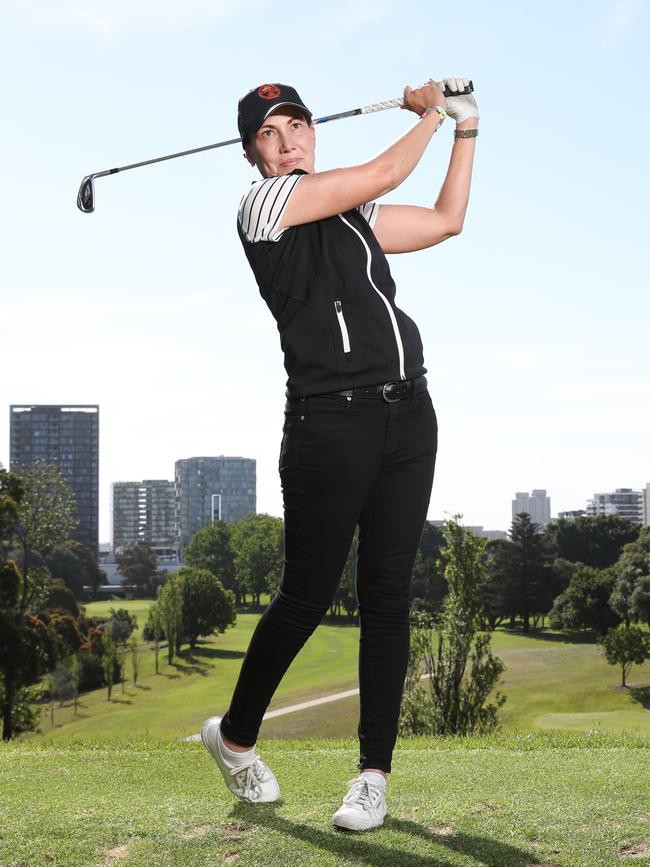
(248, 779)
(365, 793)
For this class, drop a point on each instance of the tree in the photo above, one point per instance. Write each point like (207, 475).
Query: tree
(641, 599)
(534, 583)
(24, 638)
(44, 518)
(135, 658)
(170, 606)
(138, 566)
(595, 540)
(626, 647)
(500, 577)
(23, 656)
(521, 580)
(46, 511)
(458, 697)
(109, 661)
(155, 629)
(258, 544)
(416, 712)
(210, 548)
(91, 671)
(428, 584)
(64, 631)
(346, 594)
(584, 604)
(60, 681)
(121, 624)
(207, 606)
(75, 678)
(75, 565)
(627, 576)
(631, 594)
(120, 655)
(60, 598)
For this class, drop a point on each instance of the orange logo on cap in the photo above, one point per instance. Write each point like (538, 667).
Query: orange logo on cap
(269, 91)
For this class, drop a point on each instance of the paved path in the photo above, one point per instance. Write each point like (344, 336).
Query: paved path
(292, 708)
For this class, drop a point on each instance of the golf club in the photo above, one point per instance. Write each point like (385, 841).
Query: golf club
(86, 194)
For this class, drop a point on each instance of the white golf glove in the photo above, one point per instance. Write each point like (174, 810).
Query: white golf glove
(459, 107)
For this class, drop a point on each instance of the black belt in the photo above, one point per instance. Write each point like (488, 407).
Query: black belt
(391, 392)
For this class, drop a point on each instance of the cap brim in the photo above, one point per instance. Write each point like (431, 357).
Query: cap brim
(278, 105)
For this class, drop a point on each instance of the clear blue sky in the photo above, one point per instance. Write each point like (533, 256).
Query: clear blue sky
(534, 320)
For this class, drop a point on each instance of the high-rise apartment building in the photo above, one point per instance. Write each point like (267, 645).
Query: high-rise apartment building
(144, 513)
(537, 505)
(624, 502)
(67, 437)
(646, 505)
(212, 489)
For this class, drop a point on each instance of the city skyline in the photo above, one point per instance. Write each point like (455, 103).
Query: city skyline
(534, 320)
(633, 503)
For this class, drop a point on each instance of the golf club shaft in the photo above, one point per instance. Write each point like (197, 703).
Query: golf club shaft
(368, 109)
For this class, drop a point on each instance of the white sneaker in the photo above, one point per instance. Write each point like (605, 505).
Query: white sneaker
(363, 807)
(253, 782)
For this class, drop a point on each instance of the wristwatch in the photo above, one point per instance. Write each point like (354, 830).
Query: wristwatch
(442, 114)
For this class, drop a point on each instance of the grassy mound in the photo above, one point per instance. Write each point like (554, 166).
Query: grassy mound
(510, 799)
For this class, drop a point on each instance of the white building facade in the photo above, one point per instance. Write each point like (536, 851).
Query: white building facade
(624, 502)
(144, 513)
(537, 504)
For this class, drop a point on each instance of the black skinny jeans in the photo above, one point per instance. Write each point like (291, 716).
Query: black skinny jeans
(345, 462)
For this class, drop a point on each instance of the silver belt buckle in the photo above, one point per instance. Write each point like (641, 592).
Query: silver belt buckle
(385, 396)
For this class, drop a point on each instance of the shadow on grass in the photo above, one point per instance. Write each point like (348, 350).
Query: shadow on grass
(642, 695)
(343, 621)
(211, 652)
(587, 637)
(195, 661)
(190, 667)
(373, 851)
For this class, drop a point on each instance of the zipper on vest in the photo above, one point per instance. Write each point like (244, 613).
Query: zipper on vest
(391, 314)
(342, 326)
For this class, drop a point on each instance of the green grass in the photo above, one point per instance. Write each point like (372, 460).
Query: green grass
(139, 607)
(554, 799)
(198, 684)
(552, 681)
(555, 681)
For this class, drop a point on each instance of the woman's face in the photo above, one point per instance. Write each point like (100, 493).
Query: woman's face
(285, 142)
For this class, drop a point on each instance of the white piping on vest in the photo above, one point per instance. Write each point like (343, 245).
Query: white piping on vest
(398, 338)
(342, 326)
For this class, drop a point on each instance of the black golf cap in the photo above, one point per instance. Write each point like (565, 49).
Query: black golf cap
(258, 104)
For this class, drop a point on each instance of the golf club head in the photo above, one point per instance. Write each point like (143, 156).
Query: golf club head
(86, 195)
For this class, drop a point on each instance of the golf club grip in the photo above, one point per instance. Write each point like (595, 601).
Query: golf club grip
(388, 103)
(469, 89)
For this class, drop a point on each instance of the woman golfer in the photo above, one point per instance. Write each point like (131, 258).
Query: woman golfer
(360, 432)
